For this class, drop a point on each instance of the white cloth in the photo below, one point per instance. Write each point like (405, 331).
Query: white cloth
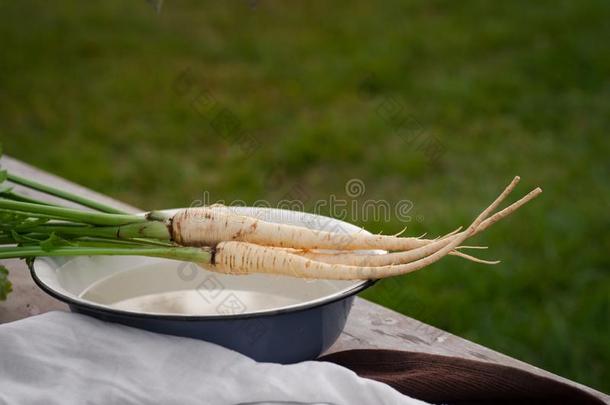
(66, 358)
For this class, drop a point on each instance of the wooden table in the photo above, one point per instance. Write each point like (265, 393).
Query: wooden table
(369, 325)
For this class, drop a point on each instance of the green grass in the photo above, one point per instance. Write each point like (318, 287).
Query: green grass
(87, 91)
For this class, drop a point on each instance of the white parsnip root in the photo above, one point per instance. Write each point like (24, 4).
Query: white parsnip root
(356, 259)
(208, 226)
(243, 256)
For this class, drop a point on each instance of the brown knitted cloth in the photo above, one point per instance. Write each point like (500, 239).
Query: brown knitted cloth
(451, 380)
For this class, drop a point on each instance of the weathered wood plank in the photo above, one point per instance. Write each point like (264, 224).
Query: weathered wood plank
(26, 299)
(369, 325)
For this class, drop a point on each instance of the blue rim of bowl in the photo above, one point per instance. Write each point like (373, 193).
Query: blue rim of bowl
(172, 317)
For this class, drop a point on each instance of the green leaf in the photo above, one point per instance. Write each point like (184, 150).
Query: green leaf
(52, 242)
(5, 285)
(9, 220)
(18, 238)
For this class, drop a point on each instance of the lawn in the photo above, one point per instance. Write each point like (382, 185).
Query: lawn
(435, 102)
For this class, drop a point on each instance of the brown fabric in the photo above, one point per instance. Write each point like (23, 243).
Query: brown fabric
(451, 380)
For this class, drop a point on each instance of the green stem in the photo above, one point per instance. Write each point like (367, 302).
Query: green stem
(63, 194)
(69, 214)
(11, 195)
(149, 229)
(152, 242)
(87, 241)
(198, 255)
(104, 242)
(29, 214)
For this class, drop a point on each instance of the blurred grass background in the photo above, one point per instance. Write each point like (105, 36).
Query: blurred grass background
(93, 91)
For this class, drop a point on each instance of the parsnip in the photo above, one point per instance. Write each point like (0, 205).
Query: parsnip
(246, 258)
(208, 226)
(356, 259)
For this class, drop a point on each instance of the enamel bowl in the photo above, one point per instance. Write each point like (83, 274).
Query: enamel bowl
(268, 318)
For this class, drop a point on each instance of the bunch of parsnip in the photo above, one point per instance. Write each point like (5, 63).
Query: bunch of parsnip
(221, 240)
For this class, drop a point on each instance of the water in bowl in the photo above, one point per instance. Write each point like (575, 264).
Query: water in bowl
(162, 288)
(191, 302)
